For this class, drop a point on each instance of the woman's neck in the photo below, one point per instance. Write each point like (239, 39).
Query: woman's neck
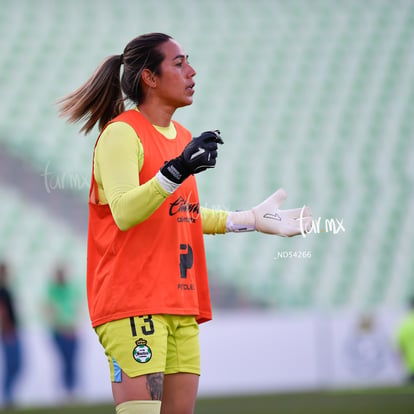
(157, 114)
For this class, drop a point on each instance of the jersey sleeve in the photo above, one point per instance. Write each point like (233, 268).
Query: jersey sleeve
(213, 221)
(118, 160)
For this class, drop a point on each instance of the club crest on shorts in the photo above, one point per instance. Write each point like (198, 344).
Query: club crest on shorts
(142, 352)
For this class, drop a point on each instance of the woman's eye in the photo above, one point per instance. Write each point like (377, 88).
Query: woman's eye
(181, 63)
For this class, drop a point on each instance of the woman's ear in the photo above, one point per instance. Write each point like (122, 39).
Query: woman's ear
(149, 78)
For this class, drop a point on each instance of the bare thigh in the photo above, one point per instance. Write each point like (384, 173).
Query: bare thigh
(144, 387)
(179, 393)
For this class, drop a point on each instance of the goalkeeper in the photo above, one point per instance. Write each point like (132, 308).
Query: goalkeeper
(147, 280)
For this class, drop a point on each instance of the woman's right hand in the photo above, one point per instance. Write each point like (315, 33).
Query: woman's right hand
(199, 154)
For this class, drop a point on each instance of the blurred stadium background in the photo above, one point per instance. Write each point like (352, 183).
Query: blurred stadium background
(315, 96)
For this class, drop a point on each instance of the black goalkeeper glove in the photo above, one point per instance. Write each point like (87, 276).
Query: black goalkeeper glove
(199, 154)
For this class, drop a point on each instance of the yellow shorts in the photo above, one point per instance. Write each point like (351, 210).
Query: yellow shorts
(151, 343)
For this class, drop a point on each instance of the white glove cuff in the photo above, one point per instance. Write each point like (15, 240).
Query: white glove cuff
(168, 185)
(240, 221)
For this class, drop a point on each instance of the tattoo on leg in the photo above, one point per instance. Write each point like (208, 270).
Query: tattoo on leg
(154, 385)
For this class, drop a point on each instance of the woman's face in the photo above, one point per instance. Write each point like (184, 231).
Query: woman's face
(175, 84)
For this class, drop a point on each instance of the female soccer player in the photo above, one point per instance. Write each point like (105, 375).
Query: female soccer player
(146, 272)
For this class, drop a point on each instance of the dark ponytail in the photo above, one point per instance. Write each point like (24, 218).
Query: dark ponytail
(100, 98)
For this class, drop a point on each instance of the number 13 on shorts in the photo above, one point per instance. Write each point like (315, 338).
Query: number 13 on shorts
(146, 325)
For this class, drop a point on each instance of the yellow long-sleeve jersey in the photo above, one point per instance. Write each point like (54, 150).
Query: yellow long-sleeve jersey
(119, 157)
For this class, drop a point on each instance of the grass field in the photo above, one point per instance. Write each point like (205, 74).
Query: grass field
(398, 400)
